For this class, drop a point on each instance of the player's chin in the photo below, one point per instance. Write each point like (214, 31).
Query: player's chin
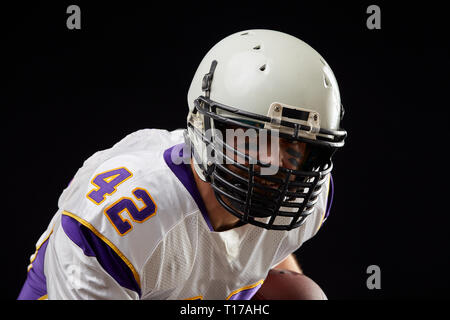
(288, 285)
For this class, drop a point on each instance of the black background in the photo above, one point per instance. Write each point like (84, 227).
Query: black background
(70, 93)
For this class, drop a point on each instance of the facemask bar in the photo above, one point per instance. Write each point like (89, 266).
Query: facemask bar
(254, 205)
(246, 204)
(209, 108)
(259, 204)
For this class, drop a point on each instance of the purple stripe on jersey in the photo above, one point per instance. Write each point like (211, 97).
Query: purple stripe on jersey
(330, 198)
(184, 173)
(246, 294)
(93, 246)
(35, 285)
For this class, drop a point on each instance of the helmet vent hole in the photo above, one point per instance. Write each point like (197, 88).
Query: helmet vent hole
(263, 67)
(244, 34)
(326, 81)
(257, 47)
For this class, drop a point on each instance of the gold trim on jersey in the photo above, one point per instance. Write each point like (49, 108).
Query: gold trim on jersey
(109, 243)
(195, 298)
(44, 297)
(30, 266)
(251, 286)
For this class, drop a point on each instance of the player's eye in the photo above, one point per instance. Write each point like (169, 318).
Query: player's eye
(294, 153)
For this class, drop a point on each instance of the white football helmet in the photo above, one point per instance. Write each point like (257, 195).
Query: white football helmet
(265, 79)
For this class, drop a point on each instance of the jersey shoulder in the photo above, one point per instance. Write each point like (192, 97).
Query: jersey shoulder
(128, 195)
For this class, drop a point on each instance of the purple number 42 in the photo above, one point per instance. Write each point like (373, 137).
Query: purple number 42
(106, 183)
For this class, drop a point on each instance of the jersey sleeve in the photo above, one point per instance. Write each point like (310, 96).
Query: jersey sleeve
(111, 217)
(79, 264)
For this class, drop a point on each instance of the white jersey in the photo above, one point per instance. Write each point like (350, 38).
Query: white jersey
(132, 225)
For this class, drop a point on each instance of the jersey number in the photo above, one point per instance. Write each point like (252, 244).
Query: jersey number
(106, 183)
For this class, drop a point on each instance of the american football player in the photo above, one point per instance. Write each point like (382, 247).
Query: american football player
(197, 213)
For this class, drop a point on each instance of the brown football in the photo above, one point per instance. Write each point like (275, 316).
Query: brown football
(289, 285)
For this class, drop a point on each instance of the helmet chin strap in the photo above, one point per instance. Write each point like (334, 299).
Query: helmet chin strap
(200, 172)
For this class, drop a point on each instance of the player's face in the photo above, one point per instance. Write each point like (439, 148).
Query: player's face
(285, 154)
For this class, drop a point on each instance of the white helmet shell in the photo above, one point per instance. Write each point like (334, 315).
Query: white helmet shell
(256, 68)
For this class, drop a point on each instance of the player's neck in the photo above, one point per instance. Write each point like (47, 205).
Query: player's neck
(220, 218)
